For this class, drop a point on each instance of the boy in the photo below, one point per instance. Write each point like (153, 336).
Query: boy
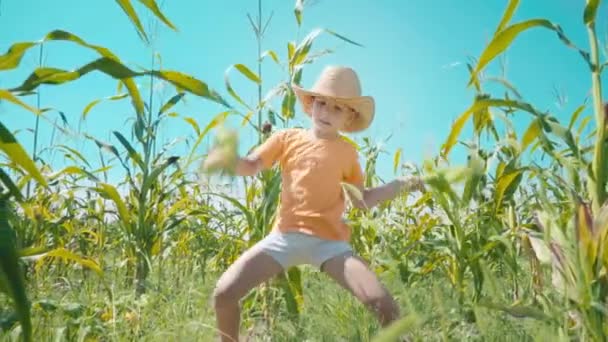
(309, 227)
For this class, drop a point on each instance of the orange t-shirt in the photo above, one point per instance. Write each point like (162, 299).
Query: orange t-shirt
(312, 200)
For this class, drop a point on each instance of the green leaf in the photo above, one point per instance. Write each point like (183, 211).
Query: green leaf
(272, 54)
(506, 18)
(341, 37)
(590, 11)
(12, 188)
(6, 95)
(402, 326)
(130, 12)
(531, 134)
(575, 116)
(74, 170)
(248, 73)
(351, 141)
(11, 276)
(64, 254)
(298, 11)
(155, 173)
(517, 310)
(132, 153)
(194, 125)
(191, 84)
(90, 106)
(13, 56)
(288, 105)
(153, 7)
(503, 39)
(74, 152)
(458, 125)
(16, 154)
(136, 100)
(108, 191)
(504, 182)
(172, 102)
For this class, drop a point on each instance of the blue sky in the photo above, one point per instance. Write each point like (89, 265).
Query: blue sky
(412, 62)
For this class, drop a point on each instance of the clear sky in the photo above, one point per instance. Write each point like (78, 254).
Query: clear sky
(412, 62)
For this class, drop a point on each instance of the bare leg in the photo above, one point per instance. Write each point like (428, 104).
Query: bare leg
(353, 274)
(248, 271)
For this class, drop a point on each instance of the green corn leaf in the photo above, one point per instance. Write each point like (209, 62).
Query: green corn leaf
(108, 191)
(298, 11)
(11, 276)
(292, 291)
(6, 95)
(15, 153)
(272, 55)
(132, 153)
(153, 7)
(172, 102)
(531, 134)
(248, 73)
(76, 171)
(516, 310)
(72, 151)
(194, 125)
(351, 141)
(136, 100)
(575, 116)
(505, 182)
(152, 178)
(458, 125)
(288, 105)
(64, 254)
(127, 7)
(191, 84)
(12, 188)
(90, 106)
(400, 327)
(590, 11)
(13, 56)
(503, 39)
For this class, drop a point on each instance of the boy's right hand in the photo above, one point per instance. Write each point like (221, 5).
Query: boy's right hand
(217, 160)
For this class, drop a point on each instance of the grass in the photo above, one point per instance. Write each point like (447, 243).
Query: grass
(71, 305)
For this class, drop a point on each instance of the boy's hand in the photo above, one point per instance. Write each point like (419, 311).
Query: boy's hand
(412, 183)
(217, 160)
(223, 156)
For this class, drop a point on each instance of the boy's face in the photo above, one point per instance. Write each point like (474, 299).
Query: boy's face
(329, 116)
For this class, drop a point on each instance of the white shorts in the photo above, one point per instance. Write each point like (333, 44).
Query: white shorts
(293, 248)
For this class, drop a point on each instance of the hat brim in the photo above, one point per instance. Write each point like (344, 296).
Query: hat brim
(364, 105)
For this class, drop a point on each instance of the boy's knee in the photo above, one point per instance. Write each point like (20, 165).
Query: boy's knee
(224, 294)
(384, 305)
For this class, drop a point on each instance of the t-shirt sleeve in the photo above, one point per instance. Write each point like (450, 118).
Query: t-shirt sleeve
(271, 150)
(355, 174)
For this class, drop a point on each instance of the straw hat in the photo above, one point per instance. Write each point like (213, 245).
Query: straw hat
(341, 84)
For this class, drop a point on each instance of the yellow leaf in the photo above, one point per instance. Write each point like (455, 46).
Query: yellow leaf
(397, 160)
(531, 134)
(6, 95)
(503, 39)
(15, 152)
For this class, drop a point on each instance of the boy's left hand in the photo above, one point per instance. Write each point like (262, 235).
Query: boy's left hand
(412, 183)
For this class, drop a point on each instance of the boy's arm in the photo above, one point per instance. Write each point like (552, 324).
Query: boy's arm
(388, 191)
(248, 166)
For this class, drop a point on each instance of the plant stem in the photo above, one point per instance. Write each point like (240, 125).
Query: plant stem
(259, 41)
(598, 184)
(36, 129)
